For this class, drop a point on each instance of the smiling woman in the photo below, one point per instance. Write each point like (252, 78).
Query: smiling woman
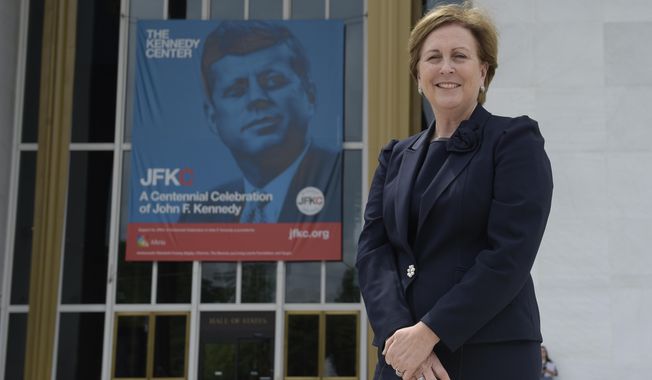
(454, 219)
(450, 75)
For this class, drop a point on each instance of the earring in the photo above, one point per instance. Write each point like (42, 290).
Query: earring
(420, 91)
(482, 89)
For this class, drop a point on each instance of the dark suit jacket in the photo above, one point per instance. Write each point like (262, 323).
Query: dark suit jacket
(320, 168)
(481, 220)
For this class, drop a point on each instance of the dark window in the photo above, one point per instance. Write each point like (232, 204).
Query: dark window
(33, 72)
(341, 348)
(131, 346)
(218, 282)
(302, 345)
(24, 230)
(134, 278)
(170, 346)
(174, 282)
(152, 346)
(96, 71)
(16, 342)
(80, 346)
(322, 344)
(258, 282)
(177, 9)
(87, 228)
(302, 282)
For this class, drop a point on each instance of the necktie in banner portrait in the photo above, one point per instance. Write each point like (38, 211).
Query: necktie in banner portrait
(256, 212)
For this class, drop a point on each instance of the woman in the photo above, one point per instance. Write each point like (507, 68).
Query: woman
(548, 367)
(454, 219)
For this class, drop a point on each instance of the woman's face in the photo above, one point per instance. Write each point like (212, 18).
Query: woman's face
(450, 72)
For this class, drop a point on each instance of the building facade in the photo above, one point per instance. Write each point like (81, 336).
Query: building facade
(72, 308)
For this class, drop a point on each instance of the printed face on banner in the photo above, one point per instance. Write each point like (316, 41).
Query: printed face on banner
(259, 104)
(237, 141)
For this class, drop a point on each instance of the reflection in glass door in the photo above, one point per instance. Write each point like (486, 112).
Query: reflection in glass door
(236, 346)
(254, 358)
(321, 345)
(151, 346)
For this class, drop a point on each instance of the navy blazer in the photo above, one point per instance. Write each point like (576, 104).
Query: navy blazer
(481, 221)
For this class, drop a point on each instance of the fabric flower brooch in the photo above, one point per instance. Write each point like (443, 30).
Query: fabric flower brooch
(465, 139)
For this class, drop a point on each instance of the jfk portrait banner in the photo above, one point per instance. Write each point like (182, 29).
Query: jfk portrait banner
(237, 141)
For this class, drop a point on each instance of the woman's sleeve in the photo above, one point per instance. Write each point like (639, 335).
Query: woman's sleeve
(380, 285)
(522, 193)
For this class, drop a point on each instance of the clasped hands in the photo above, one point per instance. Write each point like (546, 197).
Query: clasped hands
(410, 352)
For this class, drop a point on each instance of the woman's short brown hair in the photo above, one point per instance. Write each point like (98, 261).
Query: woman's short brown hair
(474, 19)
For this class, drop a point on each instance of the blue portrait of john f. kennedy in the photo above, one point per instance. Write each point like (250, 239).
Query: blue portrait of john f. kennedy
(259, 101)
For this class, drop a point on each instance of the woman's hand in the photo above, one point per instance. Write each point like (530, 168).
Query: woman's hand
(409, 347)
(430, 369)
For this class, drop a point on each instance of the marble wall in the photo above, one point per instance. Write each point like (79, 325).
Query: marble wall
(583, 69)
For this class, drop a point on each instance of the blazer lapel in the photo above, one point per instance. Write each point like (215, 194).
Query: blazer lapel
(407, 173)
(462, 146)
(448, 172)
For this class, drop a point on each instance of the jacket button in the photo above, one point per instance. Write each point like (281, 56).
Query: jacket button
(411, 270)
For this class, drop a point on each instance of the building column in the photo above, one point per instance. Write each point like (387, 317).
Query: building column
(55, 118)
(394, 106)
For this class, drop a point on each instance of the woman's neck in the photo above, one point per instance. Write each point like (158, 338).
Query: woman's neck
(447, 121)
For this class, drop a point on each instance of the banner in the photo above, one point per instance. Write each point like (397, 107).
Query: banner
(237, 141)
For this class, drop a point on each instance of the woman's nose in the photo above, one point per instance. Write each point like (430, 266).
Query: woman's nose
(446, 67)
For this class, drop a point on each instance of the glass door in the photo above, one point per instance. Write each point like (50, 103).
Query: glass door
(254, 358)
(150, 346)
(322, 345)
(236, 345)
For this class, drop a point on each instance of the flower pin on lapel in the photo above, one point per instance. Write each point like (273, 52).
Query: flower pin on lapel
(410, 271)
(465, 139)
